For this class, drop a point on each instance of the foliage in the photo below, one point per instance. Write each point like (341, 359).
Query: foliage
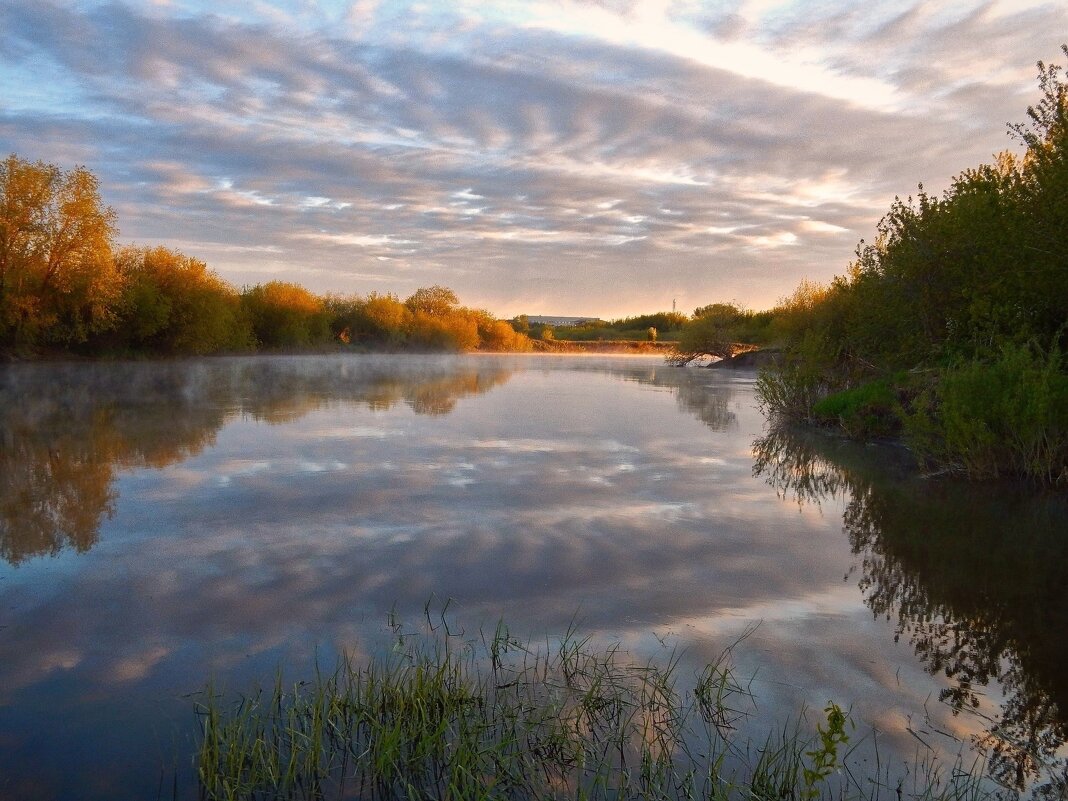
(451, 331)
(431, 320)
(961, 287)
(285, 315)
(714, 332)
(824, 757)
(498, 335)
(1008, 415)
(661, 321)
(667, 325)
(377, 320)
(62, 284)
(789, 391)
(57, 276)
(865, 411)
(172, 303)
(433, 300)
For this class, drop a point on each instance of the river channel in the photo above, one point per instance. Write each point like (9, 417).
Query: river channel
(163, 525)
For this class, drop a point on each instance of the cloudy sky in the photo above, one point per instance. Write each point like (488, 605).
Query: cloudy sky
(600, 157)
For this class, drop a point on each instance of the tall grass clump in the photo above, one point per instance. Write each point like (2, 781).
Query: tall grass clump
(868, 410)
(1002, 416)
(788, 392)
(492, 718)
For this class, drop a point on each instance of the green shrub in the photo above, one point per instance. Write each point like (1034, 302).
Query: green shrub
(790, 389)
(1003, 417)
(286, 315)
(865, 411)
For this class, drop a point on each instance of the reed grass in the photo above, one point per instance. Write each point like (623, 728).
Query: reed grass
(443, 717)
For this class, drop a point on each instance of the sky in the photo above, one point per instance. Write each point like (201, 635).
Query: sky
(569, 157)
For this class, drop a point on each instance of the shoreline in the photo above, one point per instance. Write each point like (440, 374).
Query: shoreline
(627, 346)
(562, 347)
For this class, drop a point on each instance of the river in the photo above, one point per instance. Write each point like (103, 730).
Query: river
(167, 524)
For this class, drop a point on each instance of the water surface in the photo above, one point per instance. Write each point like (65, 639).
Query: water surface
(163, 524)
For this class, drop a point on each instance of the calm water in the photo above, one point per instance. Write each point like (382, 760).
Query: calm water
(161, 525)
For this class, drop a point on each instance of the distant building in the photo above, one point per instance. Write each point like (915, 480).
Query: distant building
(561, 321)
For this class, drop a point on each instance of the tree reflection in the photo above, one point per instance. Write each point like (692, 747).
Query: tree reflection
(976, 577)
(708, 402)
(54, 488)
(282, 390)
(66, 430)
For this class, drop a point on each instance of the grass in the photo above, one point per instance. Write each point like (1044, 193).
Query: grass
(493, 718)
(1007, 415)
(869, 410)
(1002, 415)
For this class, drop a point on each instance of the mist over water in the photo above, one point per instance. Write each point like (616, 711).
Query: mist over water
(163, 524)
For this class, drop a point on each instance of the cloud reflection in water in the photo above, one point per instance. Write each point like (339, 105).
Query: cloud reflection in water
(246, 512)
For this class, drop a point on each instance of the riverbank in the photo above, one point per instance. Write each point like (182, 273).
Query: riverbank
(603, 346)
(556, 347)
(751, 360)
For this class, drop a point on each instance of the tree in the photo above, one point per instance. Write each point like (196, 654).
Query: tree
(286, 315)
(379, 320)
(713, 332)
(172, 303)
(455, 331)
(1045, 185)
(57, 275)
(435, 300)
(497, 335)
(661, 321)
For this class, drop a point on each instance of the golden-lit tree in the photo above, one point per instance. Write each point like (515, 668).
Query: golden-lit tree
(453, 331)
(57, 275)
(173, 303)
(715, 331)
(381, 320)
(286, 315)
(498, 335)
(436, 300)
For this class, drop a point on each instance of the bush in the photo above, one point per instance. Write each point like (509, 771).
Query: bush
(172, 303)
(865, 411)
(454, 331)
(379, 320)
(790, 389)
(285, 315)
(1008, 416)
(498, 335)
(788, 392)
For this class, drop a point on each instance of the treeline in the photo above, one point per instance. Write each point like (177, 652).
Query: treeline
(66, 285)
(948, 330)
(664, 326)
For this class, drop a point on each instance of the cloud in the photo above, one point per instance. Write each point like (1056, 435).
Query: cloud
(474, 144)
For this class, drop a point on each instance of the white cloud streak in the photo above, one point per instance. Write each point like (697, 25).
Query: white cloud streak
(602, 158)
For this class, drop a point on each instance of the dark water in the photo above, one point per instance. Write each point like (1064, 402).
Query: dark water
(161, 525)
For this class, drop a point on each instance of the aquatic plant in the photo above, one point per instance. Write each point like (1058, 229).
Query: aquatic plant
(441, 716)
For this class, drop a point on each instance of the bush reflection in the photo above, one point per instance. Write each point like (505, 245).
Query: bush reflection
(975, 576)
